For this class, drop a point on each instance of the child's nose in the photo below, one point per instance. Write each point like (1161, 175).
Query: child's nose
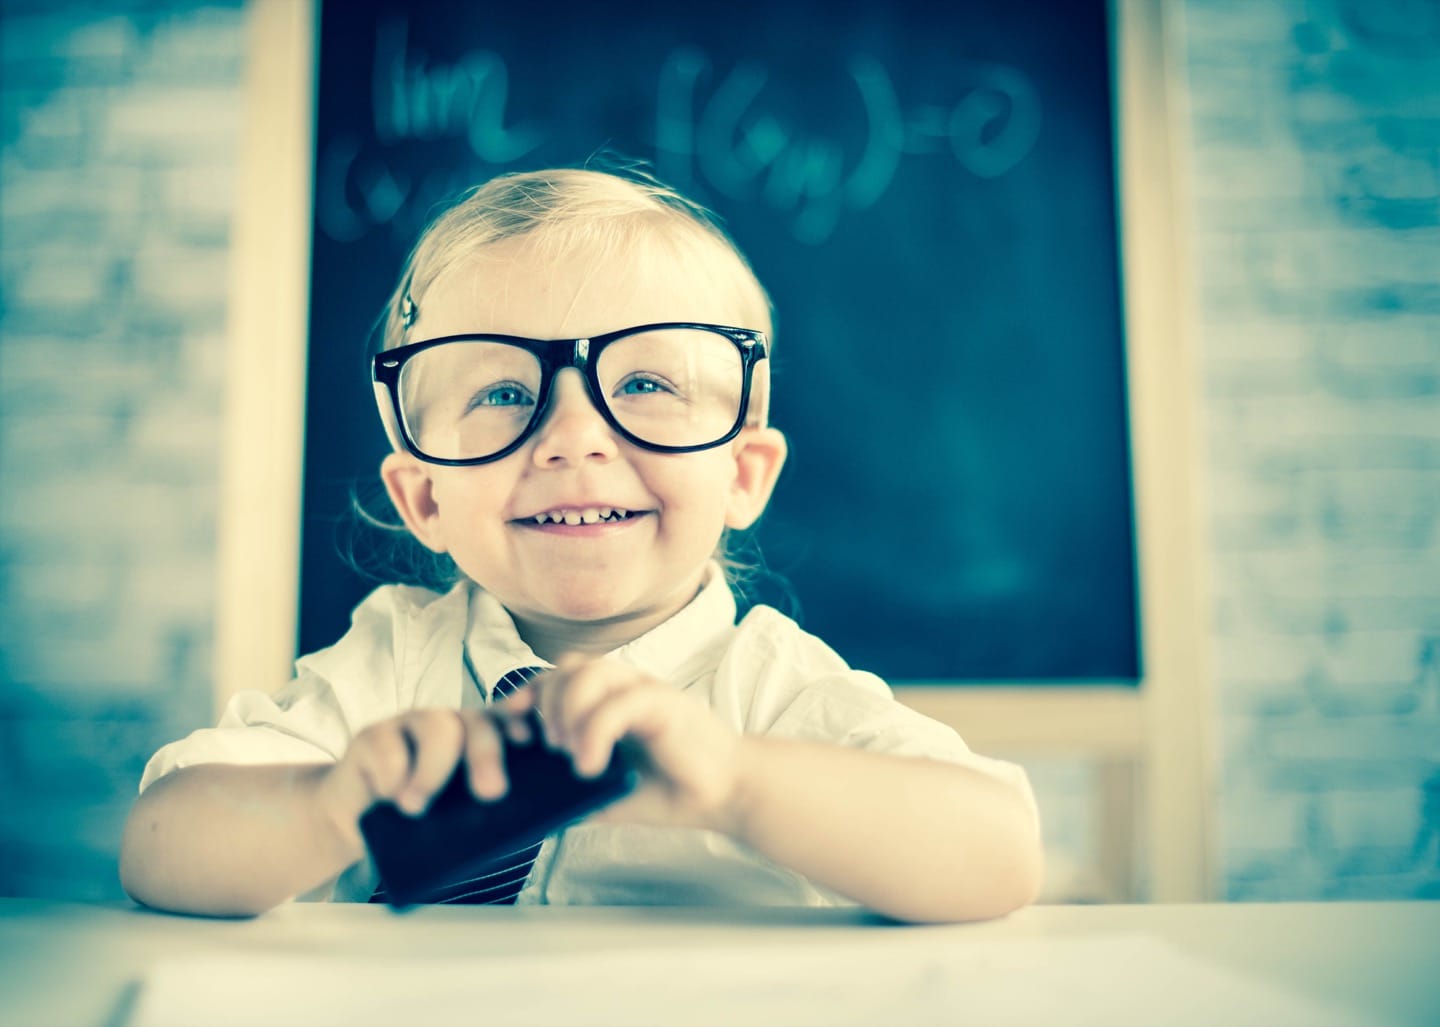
(573, 430)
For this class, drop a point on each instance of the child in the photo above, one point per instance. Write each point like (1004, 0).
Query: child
(584, 491)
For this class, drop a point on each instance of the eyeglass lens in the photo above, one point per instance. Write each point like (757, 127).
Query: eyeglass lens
(470, 399)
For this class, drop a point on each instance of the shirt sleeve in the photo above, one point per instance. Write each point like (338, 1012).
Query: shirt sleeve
(805, 690)
(335, 692)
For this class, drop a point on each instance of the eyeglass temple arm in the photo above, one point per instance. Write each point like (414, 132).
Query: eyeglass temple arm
(387, 416)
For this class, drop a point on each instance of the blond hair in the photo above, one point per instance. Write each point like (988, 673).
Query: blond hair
(604, 211)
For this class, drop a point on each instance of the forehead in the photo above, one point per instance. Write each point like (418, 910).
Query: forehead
(522, 286)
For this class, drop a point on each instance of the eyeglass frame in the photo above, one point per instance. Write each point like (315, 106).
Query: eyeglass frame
(554, 356)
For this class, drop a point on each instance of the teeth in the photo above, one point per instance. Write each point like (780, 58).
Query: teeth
(589, 515)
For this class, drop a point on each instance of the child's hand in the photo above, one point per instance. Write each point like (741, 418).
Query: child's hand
(689, 760)
(408, 759)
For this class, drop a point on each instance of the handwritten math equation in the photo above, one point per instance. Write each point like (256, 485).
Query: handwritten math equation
(717, 124)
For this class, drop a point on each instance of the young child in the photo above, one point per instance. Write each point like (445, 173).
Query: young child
(584, 490)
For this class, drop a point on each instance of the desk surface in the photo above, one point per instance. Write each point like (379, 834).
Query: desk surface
(1366, 963)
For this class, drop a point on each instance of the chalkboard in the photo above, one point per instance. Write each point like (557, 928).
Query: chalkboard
(928, 192)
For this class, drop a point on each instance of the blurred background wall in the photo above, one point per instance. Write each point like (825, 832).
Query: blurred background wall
(1314, 159)
(120, 139)
(1312, 149)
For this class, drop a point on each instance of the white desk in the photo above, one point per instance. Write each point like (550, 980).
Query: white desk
(1361, 963)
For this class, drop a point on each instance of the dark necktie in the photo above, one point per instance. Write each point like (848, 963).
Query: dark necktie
(500, 881)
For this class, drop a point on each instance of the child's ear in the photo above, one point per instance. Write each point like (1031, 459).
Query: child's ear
(759, 455)
(411, 489)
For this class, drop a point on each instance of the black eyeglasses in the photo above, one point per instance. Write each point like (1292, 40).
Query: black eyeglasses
(674, 387)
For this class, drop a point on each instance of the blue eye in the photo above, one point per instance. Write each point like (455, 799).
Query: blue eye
(503, 396)
(645, 385)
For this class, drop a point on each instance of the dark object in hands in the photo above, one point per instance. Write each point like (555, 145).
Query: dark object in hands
(417, 856)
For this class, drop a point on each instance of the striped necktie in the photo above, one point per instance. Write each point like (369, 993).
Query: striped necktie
(501, 880)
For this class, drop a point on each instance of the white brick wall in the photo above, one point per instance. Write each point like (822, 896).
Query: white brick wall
(116, 177)
(1316, 174)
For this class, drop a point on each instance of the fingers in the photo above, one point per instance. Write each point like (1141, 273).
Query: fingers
(484, 755)
(408, 759)
(688, 759)
(434, 738)
(510, 714)
(567, 695)
(380, 755)
(621, 712)
(586, 708)
(399, 758)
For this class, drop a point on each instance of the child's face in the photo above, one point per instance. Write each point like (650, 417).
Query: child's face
(623, 576)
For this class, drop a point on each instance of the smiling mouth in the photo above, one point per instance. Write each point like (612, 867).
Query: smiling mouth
(587, 515)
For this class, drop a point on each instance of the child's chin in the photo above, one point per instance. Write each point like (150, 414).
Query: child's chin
(586, 614)
(584, 606)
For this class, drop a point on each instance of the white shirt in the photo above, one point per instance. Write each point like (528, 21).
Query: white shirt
(411, 647)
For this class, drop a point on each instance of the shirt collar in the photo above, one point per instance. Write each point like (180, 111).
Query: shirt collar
(677, 650)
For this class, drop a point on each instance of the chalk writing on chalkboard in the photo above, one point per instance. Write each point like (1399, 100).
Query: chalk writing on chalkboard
(931, 186)
(711, 121)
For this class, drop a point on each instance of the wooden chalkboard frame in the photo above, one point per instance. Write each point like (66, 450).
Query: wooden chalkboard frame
(1152, 742)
